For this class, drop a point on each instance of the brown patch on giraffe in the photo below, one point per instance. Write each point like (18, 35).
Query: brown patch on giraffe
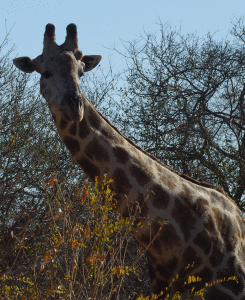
(83, 129)
(94, 119)
(205, 274)
(217, 254)
(204, 241)
(201, 206)
(119, 199)
(184, 217)
(48, 93)
(140, 175)
(89, 168)
(159, 198)
(188, 258)
(95, 151)
(155, 228)
(121, 182)
(167, 271)
(121, 155)
(169, 236)
(63, 124)
(158, 286)
(109, 134)
(144, 211)
(72, 144)
(140, 199)
(73, 129)
(143, 238)
(231, 271)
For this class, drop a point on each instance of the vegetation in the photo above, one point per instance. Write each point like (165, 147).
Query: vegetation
(184, 99)
(80, 253)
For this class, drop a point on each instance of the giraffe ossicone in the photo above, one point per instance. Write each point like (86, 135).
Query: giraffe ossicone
(200, 227)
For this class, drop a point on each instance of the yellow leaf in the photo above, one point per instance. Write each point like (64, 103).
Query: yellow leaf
(13, 141)
(57, 245)
(74, 243)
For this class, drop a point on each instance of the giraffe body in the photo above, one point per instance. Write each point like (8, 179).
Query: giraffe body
(185, 222)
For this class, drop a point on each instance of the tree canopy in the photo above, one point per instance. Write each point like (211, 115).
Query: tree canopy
(183, 102)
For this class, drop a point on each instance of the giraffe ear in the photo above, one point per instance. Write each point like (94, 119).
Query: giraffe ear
(25, 64)
(91, 61)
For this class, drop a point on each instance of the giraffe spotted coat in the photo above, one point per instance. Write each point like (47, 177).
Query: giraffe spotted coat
(185, 222)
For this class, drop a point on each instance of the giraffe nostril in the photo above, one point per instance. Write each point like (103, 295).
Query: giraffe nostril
(80, 104)
(72, 107)
(72, 101)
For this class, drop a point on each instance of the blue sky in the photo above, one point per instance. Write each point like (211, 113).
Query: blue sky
(101, 24)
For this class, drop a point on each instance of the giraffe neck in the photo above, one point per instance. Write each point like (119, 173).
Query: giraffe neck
(99, 148)
(175, 212)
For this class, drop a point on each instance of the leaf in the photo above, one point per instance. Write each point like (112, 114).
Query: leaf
(57, 245)
(91, 259)
(87, 233)
(69, 209)
(119, 271)
(84, 196)
(74, 243)
(51, 181)
(46, 256)
(102, 257)
(13, 141)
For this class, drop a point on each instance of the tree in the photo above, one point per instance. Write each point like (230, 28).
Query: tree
(184, 103)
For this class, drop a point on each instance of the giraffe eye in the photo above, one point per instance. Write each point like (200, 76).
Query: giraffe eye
(46, 74)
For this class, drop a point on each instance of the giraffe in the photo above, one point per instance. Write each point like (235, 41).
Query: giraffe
(184, 222)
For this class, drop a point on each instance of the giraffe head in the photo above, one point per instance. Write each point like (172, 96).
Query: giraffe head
(61, 68)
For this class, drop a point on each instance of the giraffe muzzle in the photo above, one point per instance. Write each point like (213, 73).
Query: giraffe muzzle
(74, 116)
(72, 108)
